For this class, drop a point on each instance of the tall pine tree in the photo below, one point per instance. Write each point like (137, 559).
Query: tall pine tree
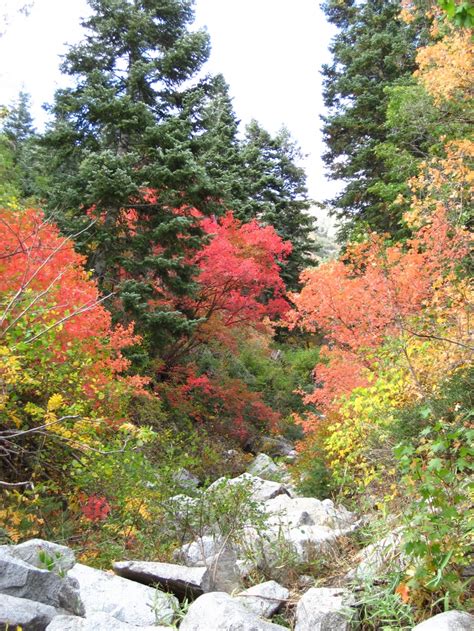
(276, 194)
(120, 156)
(216, 142)
(373, 50)
(21, 143)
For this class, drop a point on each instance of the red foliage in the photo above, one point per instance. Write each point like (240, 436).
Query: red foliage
(239, 287)
(239, 273)
(95, 508)
(225, 403)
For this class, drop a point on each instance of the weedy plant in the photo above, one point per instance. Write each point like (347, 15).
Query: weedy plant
(383, 608)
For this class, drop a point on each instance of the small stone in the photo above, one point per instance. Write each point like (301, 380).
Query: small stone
(25, 614)
(183, 581)
(305, 582)
(448, 621)
(265, 599)
(324, 609)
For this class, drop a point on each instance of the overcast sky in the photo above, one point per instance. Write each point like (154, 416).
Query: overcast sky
(269, 51)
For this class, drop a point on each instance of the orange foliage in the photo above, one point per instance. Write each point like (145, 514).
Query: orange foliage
(43, 282)
(371, 294)
(446, 67)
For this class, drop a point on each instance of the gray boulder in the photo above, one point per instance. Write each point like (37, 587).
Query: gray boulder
(27, 614)
(44, 555)
(308, 511)
(260, 490)
(183, 581)
(218, 556)
(196, 552)
(219, 612)
(311, 542)
(186, 480)
(448, 621)
(264, 467)
(224, 572)
(123, 599)
(324, 609)
(378, 557)
(264, 600)
(270, 546)
(23, 580)
(276, 446)
(96, 622)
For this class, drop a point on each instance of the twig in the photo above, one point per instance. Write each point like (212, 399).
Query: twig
(37, 429)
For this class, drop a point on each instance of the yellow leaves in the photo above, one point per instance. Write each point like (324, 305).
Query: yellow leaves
(55, 403)
(444, 182)
(18, 518)
(10, 366)
(128, 428)
(35, 411)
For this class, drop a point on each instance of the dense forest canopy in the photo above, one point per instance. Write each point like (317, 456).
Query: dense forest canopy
(167, 304)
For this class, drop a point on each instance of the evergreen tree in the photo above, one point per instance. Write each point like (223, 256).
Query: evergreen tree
(119, 153)
(9, 176)
(21, 143)
(373, 50)
(276, 194)
(18, 124)
(216, 143)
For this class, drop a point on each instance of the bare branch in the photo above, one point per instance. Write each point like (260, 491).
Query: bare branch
(441, 339)
(13, 484)
(13, 434)
(83, 309)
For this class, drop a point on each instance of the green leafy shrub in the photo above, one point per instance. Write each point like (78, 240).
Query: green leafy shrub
(437, 477)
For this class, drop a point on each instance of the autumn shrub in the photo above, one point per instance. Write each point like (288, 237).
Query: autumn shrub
(395, 367)
(220, 403)
(250, 384)
(65, 388)
(239, 292)
(312, 473)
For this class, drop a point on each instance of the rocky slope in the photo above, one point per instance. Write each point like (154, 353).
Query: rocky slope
(42, 586)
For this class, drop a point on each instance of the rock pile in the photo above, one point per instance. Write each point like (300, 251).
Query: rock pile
(43, 588)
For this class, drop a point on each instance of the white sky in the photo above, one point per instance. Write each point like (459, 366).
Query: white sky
(269, 51)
